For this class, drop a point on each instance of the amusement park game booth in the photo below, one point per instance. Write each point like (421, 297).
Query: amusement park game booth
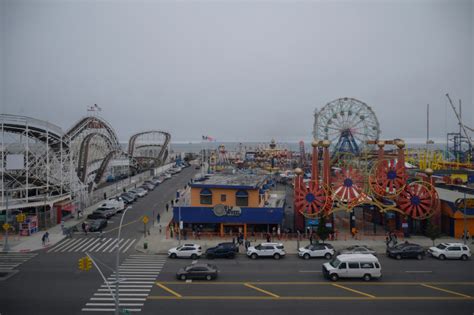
(230, 203)
(452, 211)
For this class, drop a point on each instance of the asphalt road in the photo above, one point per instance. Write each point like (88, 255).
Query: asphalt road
(293, 285)
(51, 283)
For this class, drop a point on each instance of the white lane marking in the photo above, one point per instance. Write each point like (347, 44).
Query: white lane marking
(136, 273)
(84, 249)
(86, 309)
(69, 248)
(419, 271)
(137, 282)
(60, 244)
(92, 240)
(115, 246)
(64, 245)
(124, 244)
(134, 278)
(121, 299)
(130, 286)
(112, 304)
(125, 290)
(103, 244)
(114, 240)
(133, 241)
(122, 294)
(310, 271)
(111, 245)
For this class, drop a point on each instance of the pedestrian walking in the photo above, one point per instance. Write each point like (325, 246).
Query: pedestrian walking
(269, 238)
(105, 196)
(247, 244)
(158, 218)
(83, 226)
(159, 227)
(172, 202)
(167, 207)
(62, 227)
(311, 238)
(46, 235)
(43, 239)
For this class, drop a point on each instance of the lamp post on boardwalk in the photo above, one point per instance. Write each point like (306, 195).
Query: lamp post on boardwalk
(117, 270)
(465, 220)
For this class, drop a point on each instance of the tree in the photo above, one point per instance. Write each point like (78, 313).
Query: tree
(432, 231)
(323, 231)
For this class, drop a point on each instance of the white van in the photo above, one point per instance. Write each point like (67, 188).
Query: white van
(115, 203)
(365, 266)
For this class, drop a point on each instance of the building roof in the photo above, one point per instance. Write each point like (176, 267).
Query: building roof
(236, 181)
(450, 195)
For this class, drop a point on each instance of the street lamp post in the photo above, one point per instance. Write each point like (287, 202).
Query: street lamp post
(6, 246)
(117, 271)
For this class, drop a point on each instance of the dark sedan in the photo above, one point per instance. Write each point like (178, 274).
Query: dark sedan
(406, 250)
(97, 225)
(358, 249)
(220, 252)
(198, 271)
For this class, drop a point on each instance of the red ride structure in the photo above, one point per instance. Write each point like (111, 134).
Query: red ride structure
(312, 199)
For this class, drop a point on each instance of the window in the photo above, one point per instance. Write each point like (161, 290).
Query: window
(366, 265)
(377, 265)
(454, 248)
(206, 197)
(464, 248)
(223, 197)
(353, 265)
(241, 198)
(342, 266)
(335, 262)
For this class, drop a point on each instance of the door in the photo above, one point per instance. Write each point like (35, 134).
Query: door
(318, 250)
(454, 251)
(354, 270)
(342, 270)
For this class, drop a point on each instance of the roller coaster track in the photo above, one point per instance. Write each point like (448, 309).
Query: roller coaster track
(163, 153)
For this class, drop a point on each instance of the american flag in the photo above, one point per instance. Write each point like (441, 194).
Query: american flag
(208, 138)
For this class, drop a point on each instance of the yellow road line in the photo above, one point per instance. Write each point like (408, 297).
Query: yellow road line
(353, 290)
(445, 290)
(310, 298)
(169, 290)
(116, 228)
(248, 285)
(311, 283)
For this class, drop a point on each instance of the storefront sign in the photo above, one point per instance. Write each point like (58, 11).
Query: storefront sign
(223, 210)
(461, 203)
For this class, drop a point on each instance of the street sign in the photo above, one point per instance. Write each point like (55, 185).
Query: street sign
(145, 219)
(6, 226)
(20, 217)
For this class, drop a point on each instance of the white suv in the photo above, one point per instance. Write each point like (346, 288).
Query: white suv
(450, 251)
(275, 250)
(316, 250)
(192, 251)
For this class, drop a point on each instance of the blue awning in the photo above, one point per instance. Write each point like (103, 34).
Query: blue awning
(247, 215)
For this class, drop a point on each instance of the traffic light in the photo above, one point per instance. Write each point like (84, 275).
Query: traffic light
(82, 263)
(88, 263)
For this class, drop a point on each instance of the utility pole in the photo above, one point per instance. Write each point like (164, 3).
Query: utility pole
(117, 270)
(465, 220)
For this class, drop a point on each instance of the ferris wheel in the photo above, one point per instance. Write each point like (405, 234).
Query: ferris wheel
(348, 123)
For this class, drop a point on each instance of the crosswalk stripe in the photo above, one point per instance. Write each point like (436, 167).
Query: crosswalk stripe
(91, 240)
(122, 294)
(129, 245)
(108, 309)
(130, 286)
(81, 240)
(101, 241)
(110, 245)
(62, 245)
(100, 247)
(124, 244)
(84, 248)
(121, 299)
(125, 290)
(115, 246)
(113, 304)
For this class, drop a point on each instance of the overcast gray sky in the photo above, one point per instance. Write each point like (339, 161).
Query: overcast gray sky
(236, 70)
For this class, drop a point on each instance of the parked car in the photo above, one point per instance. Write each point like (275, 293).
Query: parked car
(141, 192)
(132, 194)
(365, 266)
(154, 181)
(127, 199)
(107, 210)
(450, 251)
(167, 175)
(198, 271)
(275, 250)
(97, 215)
(220, 252)
(148, 186)
(97, 225)
(197, 167)
(406, 250)
(358, 249)
(116, 203)
(192, 251)
(316, 250)
(230, 245)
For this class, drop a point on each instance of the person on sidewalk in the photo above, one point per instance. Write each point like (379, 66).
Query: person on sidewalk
(158, 218)
(105, 196)
(83, 226)
(269, 238)
(159, 227)
(46, 236)
(43, 239)
(167, 207)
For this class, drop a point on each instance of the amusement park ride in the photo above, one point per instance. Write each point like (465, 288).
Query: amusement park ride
(360, 176)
